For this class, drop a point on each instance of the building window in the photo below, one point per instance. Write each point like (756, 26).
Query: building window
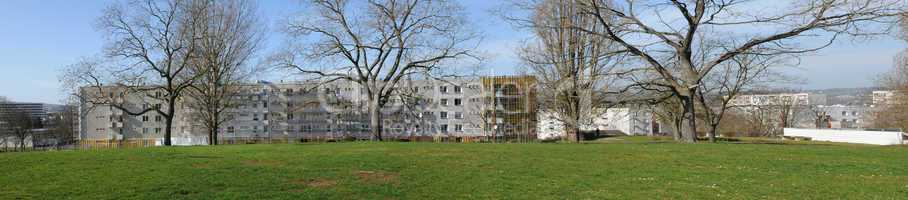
(443, 89)
(255, 129)
(444, 102)
(458, 115)
(230, 129)
(458, 102)
(255, 117)
(458, 128)
(444, 128)
(457, 89)
(144, 118)
(157, 130)
(844, 113)
(144, 130)
(264, 104)
(443, 115)
(157, 118)
(427, 114)
(290, 116)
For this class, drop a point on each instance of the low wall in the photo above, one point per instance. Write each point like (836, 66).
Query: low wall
(848, 136)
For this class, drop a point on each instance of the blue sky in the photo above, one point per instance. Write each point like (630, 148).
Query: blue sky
(39, 38)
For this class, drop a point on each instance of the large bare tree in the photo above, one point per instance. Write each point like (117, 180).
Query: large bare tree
(573, 64)
(228, 34)
(151, 44)
(377, 43)
(662, 34)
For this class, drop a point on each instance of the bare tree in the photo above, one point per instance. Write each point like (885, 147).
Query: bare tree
(665, 42)
(228, 34)
(377, 43)
(892, 112)
(19, 125)
(152, 44)
(572, 63)
(729, 79)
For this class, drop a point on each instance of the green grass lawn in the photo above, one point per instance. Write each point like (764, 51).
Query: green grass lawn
(631, 168)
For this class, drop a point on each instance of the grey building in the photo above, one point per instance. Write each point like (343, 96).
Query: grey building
(38, 111)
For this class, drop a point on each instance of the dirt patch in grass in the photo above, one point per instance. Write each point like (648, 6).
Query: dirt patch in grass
(265, 163)
(318, 183)
(378, 177)
(201, 166)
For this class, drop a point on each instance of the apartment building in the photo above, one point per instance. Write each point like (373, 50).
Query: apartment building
(844, 117)
(482, 106)
(799, 99)
(631, 120)
(882, 97)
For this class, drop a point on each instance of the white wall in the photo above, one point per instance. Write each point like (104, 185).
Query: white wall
(549, 126)
(183, 141)
(848, 136)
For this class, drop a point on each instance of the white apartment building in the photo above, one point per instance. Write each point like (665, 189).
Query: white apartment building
(625, 121)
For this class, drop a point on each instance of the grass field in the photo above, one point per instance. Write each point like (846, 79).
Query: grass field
(635, 168)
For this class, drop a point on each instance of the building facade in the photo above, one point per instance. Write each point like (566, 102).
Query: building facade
(482, 106)
(799, 99)
(615, 121)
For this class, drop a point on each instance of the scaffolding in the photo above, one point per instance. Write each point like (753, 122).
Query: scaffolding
(510, 111)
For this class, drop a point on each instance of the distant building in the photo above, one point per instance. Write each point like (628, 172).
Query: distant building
(845, 117)
(800, 99)
(882, 97)
(38, 111)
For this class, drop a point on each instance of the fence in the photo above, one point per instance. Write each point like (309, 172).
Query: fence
(107, 144)
(140, 142)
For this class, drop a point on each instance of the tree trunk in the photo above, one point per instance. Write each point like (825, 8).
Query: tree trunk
(572, 133)
(211, 138)
(215, 127)
(168, 127)
(713, 128)
(689, 129)
(375, 120)
(676, 125)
